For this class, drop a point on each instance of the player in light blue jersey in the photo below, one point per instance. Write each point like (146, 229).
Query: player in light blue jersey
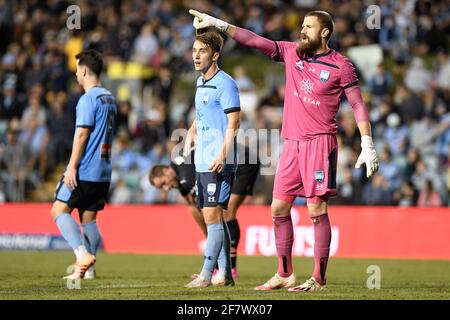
(85, 183)
(214, 131)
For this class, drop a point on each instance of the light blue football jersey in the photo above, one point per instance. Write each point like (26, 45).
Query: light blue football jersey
(97, 110)
(213, 100)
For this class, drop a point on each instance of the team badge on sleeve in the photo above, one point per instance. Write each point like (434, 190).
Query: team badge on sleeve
(324, 75)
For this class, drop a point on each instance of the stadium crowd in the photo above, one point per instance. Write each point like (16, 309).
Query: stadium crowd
(407, 94)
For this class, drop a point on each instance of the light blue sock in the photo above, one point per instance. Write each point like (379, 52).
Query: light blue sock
(91, 237)
(224, 260)
(69, 230)
(213, 246)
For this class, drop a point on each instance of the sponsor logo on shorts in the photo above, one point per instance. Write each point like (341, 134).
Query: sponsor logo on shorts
(211, 199)
(319, 176)
(211, 188)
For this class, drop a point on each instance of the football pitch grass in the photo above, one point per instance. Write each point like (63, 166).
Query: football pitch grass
(38, 275)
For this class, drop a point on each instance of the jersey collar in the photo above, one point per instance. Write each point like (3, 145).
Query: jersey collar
(205, 81)
(315, 56)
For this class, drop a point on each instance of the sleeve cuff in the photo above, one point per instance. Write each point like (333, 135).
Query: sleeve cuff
(234, 109)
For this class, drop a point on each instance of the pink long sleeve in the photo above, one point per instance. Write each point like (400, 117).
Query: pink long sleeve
(252, 40)
(355, 99)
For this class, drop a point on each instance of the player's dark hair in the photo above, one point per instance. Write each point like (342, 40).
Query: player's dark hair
(91, 59)
(156, 172)
(325, 20)
(210, 38)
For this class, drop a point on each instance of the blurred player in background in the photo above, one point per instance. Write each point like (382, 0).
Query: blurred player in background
(217, 109)
(181, 175)
(316, 77)
(85, 183)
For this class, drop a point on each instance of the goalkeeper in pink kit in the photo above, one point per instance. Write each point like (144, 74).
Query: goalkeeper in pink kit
(316, 77)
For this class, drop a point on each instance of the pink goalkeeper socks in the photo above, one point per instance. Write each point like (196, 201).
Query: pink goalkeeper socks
(322, 240)
(284, 238)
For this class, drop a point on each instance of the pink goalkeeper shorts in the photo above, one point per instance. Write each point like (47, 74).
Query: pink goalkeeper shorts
(307, 169)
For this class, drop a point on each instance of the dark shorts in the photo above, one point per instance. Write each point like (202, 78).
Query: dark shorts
(244, 182)
(213, 189)
(87, 195)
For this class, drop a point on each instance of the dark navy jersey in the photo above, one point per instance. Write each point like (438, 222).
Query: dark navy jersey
(185, 171)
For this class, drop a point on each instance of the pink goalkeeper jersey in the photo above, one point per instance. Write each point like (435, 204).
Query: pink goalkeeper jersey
(314, 85)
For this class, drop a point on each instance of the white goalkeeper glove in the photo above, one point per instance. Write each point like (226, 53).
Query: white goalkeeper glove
(368, 156)
(202, 20)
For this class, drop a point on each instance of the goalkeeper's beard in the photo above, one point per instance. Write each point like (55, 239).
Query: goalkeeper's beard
(309, 47)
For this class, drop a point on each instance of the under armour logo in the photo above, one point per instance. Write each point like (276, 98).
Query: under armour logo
(211, 199)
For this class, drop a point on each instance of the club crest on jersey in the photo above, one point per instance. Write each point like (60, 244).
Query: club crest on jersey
(319, 176)
(211, 188)
(299, 64)
(205, 99)
(324, 75)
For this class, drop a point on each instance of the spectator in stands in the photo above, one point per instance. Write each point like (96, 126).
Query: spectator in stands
(428, 197)
(34, 110)
(146, 45)
(255, 21)
(61, 128)
(389, 169)
(346, 189)
(18, 167)
(123, 117)
(10, 106)
(423, 136)
(409, 168)
(381, 82)
(164, 85)
(153, 127)
(424, 174)
(443, 70)
(418, 78)
(406, 196)
(443, 140)
(395, 134)
(124, 158)
(378, 192)
(409, 105)
(35, 137)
